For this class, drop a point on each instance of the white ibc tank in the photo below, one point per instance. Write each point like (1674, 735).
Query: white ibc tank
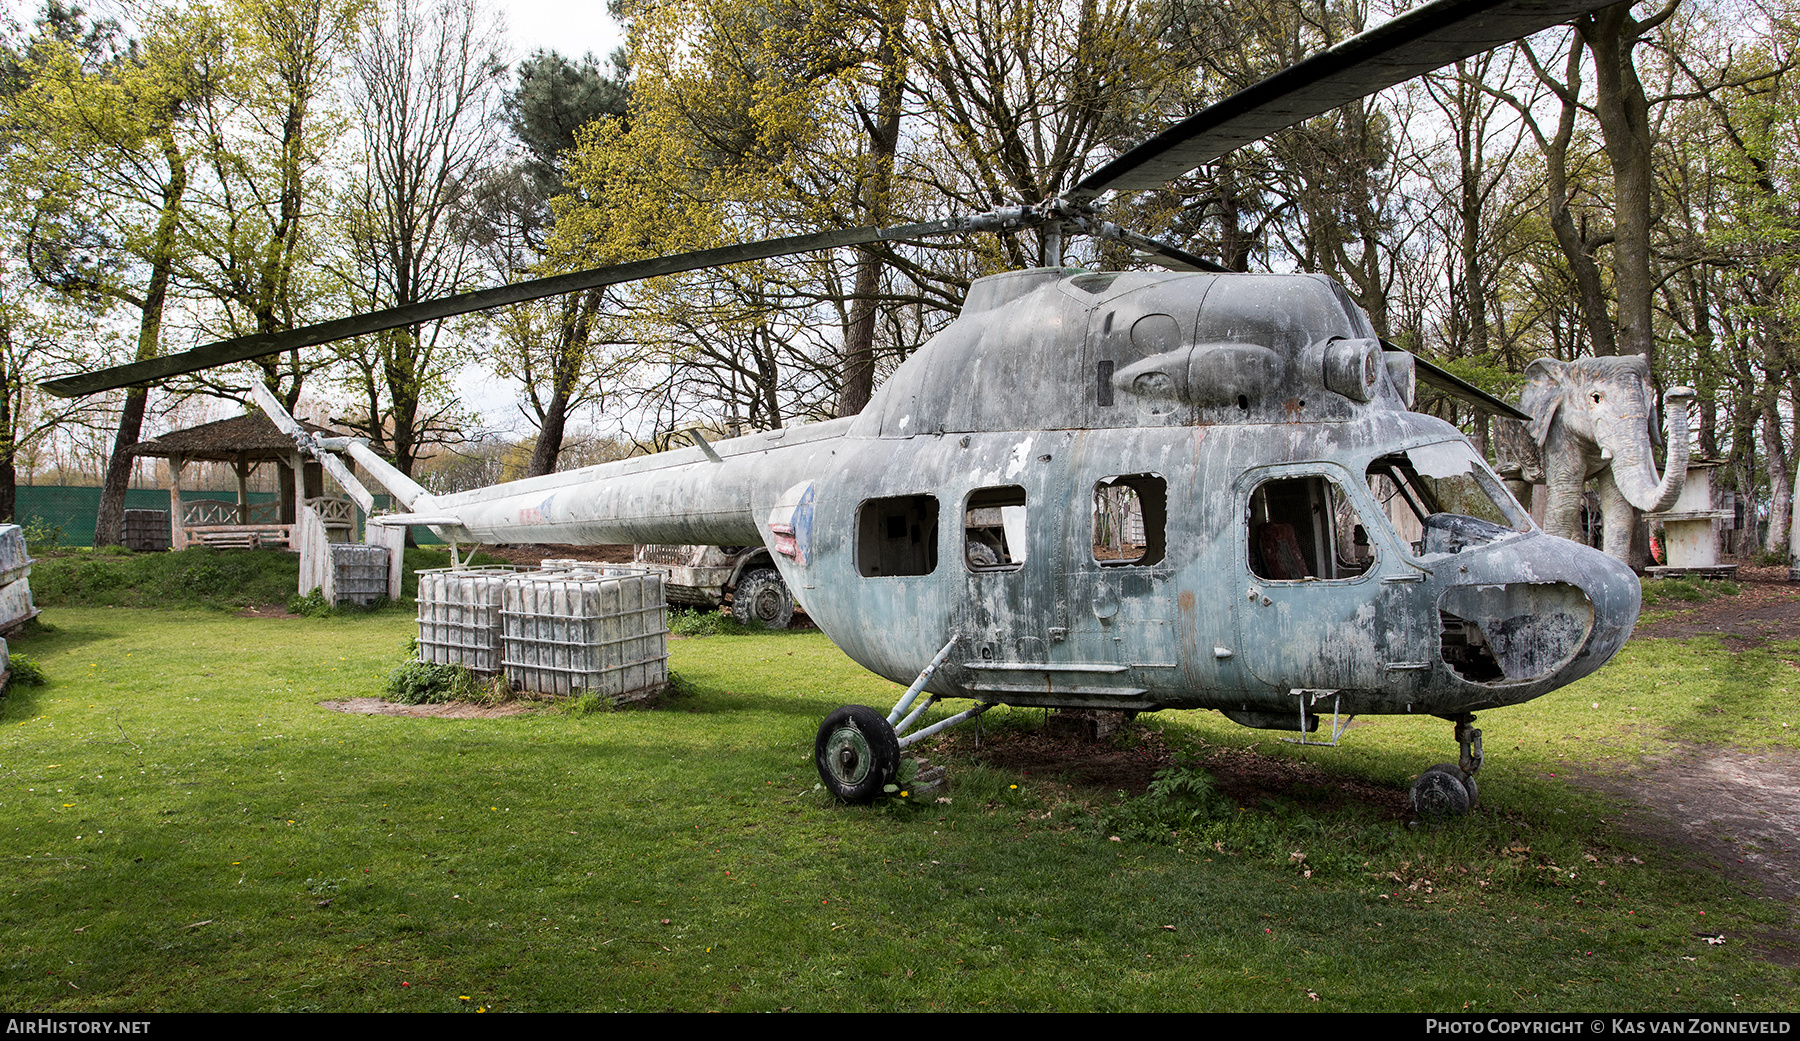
(603, 631)
(459, 617)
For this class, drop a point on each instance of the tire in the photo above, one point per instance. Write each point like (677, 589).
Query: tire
(1467, 779)
(1442, 792)
(857, 753)
(763, 597)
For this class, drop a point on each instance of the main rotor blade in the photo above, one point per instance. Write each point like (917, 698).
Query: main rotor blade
(1409, 45)
(243, 348)
(1446, 382)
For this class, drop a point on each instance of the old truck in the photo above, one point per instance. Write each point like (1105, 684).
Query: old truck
(708, 576)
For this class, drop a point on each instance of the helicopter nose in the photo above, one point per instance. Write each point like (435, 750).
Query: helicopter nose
(1558, 611)
(1617, 595)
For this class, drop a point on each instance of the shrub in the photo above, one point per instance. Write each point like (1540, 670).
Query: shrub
(26, 672)
(430, 683)
(41, 536)
(312, 605)
(1180, 797)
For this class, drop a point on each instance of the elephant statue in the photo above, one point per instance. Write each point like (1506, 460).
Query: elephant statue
(1591, 418)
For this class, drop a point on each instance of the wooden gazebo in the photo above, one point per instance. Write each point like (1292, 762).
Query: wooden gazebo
(247, 442)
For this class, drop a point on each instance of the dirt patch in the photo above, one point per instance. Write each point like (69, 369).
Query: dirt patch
(452, 710)
(1723, 807)
(267, 611)
(1243, 775)
(1725, 810)
(1766, 607)
(535, 553)
(1105, 765)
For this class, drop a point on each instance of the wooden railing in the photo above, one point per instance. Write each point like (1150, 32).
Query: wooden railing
(213, 513)
(336, 513)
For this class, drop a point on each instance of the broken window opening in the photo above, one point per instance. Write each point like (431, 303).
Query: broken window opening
(1306, 527)
(1442, 481)
(897, 536)
(1465, 648)
(994, 529)
(1130, 517)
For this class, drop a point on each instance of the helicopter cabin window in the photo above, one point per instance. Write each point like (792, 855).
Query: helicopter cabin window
(1306, 527)
(897, 536)
(994, 529)
(1130, 512)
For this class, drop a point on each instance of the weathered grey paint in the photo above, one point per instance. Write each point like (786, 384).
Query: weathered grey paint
(1053, 380)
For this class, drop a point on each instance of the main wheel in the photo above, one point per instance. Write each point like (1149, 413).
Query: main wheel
(856, 752)
(763, 597)
(1442, 791)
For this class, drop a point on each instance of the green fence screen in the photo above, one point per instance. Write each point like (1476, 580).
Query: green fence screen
(72, 509)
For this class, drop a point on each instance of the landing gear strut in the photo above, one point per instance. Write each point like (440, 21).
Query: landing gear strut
(857, 751)
(1448, 789)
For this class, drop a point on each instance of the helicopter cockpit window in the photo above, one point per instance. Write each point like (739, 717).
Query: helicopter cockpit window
(897, 536)
(994, 529)
(1306, 527)
(1423, 488)
(1129, 516)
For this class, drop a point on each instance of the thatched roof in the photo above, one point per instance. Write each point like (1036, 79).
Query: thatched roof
(252, 439)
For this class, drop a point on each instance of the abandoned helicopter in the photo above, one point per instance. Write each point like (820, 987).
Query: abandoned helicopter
(1301, 545)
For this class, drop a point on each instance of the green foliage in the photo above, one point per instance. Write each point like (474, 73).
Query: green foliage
(587, 702)
(312, 605)
(1180, 797)
(684, 621)
(26, 672)
(41, 536)
(199, 577)
(430, 683)
(1685, 590)
(195, 577)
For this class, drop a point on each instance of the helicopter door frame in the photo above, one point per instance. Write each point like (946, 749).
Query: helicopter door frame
(1341, 630)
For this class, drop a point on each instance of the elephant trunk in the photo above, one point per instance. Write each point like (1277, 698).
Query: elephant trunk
(1634, 471)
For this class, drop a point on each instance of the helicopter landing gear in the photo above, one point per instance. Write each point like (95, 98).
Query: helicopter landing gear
(1449, 789)
(856, 752)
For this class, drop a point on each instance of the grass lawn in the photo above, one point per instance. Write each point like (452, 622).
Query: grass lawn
(186, 829)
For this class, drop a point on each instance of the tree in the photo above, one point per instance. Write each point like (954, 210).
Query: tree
(427, 87)
(33, 344)
(258, 219)
(547, 347)
(111, 139)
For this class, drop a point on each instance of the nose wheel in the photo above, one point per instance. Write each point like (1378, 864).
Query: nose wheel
(1448, 789)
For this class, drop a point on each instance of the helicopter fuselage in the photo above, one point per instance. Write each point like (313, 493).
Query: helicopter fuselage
(1134, 491)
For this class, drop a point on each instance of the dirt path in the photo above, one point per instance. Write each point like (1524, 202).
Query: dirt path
(452, 710)
(1728, 809)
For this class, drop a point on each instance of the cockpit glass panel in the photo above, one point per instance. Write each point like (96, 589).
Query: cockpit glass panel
(1443, 478)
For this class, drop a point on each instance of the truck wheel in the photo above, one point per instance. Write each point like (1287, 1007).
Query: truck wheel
(763, 597)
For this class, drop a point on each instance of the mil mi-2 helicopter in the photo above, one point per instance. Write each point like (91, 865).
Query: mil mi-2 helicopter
(1309, 546)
